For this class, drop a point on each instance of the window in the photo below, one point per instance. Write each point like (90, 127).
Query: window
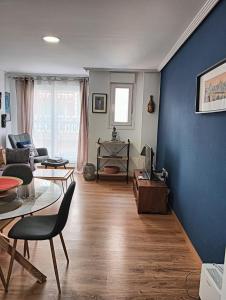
(121, 104)
(57, 117)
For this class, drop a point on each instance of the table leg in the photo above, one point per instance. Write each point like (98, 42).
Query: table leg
(22, 261)
(5, 237)
(72, 177)
(62, 186)
(2, 278)
(4, 223)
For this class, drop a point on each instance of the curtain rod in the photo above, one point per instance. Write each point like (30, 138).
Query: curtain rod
(46, 76)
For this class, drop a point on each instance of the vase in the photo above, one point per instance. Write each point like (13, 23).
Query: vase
(89, 172)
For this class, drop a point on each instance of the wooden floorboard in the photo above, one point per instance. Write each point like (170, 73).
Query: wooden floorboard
(114, 252)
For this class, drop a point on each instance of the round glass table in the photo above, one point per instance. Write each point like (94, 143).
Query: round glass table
(36, 196)
(28, 199)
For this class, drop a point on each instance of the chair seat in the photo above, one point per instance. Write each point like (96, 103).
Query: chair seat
(33, 228)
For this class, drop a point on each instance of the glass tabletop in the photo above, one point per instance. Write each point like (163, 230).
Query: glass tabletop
(28, 199)
(52, 174)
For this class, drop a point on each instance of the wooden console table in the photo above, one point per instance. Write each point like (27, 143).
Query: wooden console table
(151, 195)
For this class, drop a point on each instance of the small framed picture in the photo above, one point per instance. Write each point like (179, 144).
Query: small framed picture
(7, 106)
(99, 103)
(211, 89)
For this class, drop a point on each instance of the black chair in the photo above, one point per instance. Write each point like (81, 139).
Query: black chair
(24, 172)
(38, 228)
(21, 171)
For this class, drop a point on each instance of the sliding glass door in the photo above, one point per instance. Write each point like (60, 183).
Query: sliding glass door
(57, 117)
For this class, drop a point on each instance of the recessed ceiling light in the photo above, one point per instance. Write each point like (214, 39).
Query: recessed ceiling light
(51, 39)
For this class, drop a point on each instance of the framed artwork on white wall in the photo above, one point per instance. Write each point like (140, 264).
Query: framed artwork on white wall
(211, 89)
(7, 106)
(99, 103)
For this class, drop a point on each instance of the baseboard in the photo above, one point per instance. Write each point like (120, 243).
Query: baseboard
(188, 242)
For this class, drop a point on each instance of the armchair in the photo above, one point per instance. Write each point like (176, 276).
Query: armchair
(24, 137)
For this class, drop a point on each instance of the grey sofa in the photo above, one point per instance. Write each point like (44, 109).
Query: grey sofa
(24, 137)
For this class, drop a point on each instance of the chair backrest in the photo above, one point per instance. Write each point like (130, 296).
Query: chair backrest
(15, 138)
(62, 215)
(21, 171)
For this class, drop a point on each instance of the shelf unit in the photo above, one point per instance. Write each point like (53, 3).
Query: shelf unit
(113, 152)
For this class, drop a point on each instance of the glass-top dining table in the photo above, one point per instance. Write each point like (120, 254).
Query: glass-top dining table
(23, 201)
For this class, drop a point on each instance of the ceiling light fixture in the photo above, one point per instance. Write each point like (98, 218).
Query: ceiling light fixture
(51, 39)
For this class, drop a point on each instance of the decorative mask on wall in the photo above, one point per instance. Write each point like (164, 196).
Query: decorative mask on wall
(151, 105)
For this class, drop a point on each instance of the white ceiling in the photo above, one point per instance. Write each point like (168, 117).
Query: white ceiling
(118, 34)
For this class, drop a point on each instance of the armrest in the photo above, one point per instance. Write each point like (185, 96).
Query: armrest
(42, 151)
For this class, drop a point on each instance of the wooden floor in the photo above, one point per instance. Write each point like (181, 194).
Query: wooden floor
(114, 252)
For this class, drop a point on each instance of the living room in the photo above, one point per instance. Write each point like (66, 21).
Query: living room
(112, 149)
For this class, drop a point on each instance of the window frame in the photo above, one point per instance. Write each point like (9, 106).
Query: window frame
(128, 124)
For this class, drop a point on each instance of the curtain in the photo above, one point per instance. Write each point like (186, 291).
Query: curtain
(57, 117)
(25, 100)
(82, 156)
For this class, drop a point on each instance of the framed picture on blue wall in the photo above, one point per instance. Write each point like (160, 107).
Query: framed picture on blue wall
(211, 89)
(7, 106)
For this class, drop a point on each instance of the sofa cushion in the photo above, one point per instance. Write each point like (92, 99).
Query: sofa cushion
(22, 144)
(17, 156)
(29, 145)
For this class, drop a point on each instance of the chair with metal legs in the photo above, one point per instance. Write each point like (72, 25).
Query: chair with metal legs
(38, 228)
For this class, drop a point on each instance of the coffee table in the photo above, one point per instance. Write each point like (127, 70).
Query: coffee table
(55, 165)
(55, 175)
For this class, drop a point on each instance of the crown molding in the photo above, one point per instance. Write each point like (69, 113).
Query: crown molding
(121, 70)
(200, 16)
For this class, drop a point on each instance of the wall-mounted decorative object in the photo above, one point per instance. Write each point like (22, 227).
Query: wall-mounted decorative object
(151, 105)
(211, 89)
(0, 100)
(99, 103)
(7, 106)
(3, 120)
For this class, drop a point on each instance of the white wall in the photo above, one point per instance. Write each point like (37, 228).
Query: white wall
(150, 121)
(5, 87)
(2, 90)
(11, 127)
(145, 124)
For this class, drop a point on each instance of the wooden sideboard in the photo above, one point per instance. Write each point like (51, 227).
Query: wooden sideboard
(151, 195)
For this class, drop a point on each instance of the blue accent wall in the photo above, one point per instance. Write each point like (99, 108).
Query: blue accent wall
(192, 147)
